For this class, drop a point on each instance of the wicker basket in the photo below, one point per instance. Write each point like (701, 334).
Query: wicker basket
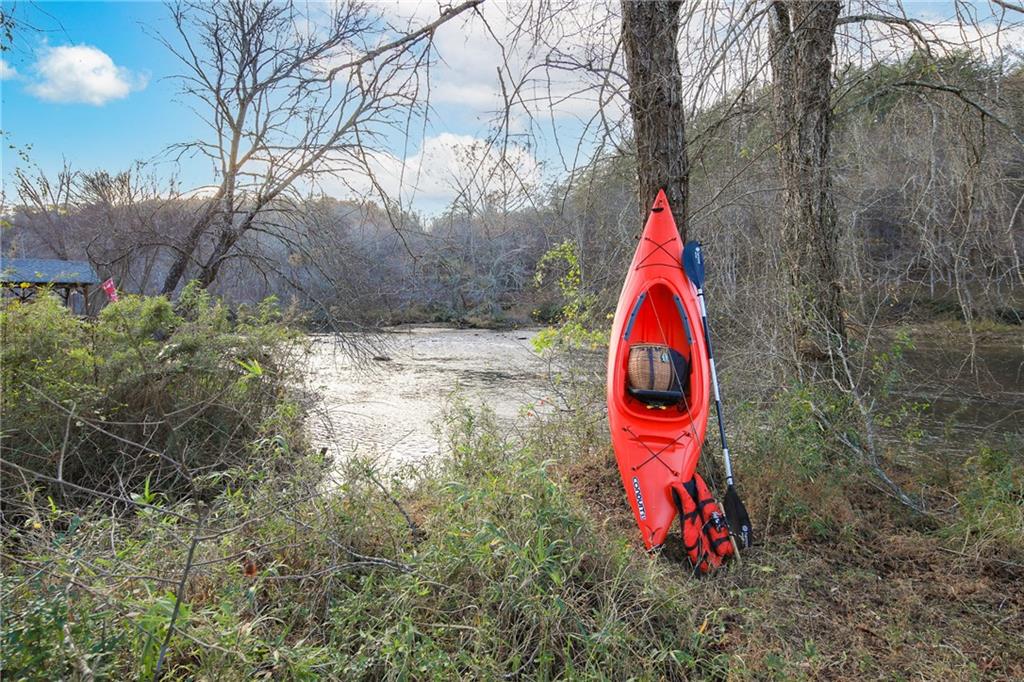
(650, 367)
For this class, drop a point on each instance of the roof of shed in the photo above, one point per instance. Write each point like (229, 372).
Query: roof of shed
(47, 271)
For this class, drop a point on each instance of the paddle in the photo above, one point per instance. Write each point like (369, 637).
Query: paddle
(735, 512)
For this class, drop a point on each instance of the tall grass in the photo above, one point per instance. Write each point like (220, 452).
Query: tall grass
(506, 578)
(990, 505)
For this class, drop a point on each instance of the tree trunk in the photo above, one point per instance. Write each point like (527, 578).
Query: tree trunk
(649, 34)
(802, 35)
(227, 240)
(188, 248)
(177, 269)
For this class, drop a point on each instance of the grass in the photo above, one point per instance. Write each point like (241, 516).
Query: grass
(506, 574)
(845, 582)
(515, 557)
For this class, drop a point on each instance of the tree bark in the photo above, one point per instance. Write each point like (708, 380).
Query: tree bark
(177, 269)
(184, 255)
(802, 36)
(649, 34)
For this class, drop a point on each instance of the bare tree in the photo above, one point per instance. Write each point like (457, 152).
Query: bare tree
(45, 202)
(289, 92)
(123, 221)
(118, 221)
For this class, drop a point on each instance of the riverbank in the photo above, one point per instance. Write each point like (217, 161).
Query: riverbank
(512, 554)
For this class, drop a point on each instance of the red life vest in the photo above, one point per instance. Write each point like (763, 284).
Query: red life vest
(705, 530)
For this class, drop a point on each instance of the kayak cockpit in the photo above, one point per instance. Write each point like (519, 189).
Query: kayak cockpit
(657, 342)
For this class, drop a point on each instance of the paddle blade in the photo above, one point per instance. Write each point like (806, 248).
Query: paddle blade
(739, 520)
(693, 263)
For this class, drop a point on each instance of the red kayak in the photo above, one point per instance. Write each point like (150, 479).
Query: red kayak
(658, 377)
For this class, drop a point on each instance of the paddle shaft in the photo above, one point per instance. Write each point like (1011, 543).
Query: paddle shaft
(714, 382)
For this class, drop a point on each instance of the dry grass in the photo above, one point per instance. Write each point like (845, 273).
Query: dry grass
(884, 597)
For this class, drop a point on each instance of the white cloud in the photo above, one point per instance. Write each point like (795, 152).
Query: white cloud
(7, 71)
(990, 39)
(82, 73)
(551, 108)
(506, 36)
(446, 166)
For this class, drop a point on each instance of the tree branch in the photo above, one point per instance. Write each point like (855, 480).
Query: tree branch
(407, 39)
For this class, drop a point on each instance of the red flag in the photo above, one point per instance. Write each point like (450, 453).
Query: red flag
(110, 290)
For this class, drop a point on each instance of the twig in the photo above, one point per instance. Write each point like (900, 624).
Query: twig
(64, 447)
(178, 598)
(964, 555)
(961, 94)
(415, 36)
(92, 491)
(414, 529)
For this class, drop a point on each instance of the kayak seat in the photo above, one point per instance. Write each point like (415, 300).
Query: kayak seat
(658, 375)
(657, 398)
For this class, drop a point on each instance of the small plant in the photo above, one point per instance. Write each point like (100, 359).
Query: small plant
(576, 328)
(52, 634)
(990, 509)
(803, 466)
(152, 628)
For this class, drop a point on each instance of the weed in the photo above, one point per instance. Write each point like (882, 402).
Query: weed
(990, 507)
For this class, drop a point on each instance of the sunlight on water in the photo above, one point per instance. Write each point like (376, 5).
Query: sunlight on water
(390, 408)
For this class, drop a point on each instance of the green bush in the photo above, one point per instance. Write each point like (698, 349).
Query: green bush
(803, 473)
(989, 516)
(144, 392)
(576, 327)
(44, 640)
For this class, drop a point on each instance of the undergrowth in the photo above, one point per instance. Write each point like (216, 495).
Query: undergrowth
(989, 519)
(174, 397)
(515, 556)
(507, 576)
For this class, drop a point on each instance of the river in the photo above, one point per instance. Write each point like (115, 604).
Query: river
(968, 396)
(390, 409)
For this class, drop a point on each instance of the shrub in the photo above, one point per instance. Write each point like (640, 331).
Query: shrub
(576, 326)
(295, 581)
(989, 520)
(142, 393)
(802, 471)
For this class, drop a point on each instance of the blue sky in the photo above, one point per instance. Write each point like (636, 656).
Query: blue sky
(133, 112)
(108, 135)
